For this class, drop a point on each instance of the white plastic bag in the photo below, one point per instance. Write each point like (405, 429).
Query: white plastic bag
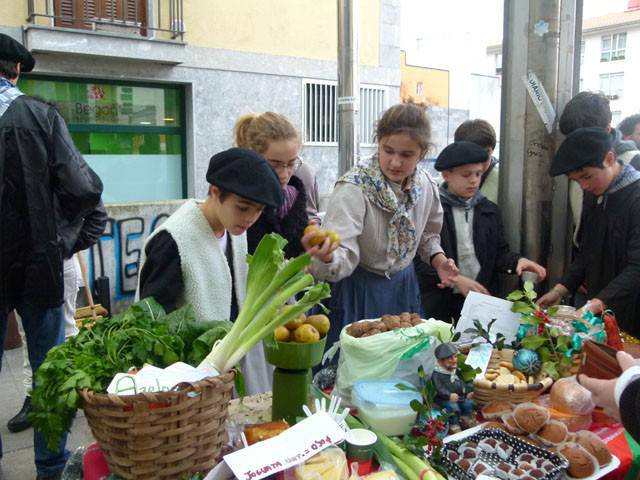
(396, 354)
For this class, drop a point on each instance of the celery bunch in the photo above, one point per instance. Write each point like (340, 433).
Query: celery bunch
(271, 282)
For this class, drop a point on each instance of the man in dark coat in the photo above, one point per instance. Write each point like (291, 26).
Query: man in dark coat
(46, 191)
(608, 258)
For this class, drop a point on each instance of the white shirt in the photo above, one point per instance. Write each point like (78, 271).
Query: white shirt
(467, 260)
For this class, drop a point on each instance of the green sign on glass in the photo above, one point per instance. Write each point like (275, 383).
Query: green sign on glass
(87, 103)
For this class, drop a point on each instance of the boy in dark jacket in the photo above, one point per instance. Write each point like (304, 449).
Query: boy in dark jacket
(472, 234)
(608, 258)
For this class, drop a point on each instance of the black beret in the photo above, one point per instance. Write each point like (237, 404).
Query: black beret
(460, 153)
(14, 51)
(584, 147)
(247, 174)
(445, 350)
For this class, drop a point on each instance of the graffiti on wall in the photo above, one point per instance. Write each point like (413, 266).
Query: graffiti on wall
(118, 254)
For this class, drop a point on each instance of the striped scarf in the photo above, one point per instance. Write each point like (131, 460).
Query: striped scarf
(8, 93)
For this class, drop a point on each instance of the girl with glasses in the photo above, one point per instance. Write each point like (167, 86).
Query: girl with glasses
(275, 138)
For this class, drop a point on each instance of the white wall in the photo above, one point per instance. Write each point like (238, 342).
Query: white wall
(592, 68)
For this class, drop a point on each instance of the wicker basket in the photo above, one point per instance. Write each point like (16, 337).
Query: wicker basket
(161, 435)
(486, 391)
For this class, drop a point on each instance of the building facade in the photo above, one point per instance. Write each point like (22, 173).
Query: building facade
(610, 60)
(151, 89)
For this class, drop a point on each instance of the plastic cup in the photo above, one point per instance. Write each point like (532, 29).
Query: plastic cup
(530, 277)
(360, 443)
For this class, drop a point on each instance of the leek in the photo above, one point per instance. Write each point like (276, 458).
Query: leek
(410, 465)
(271, 282)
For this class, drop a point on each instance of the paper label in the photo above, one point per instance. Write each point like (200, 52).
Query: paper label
(485, 308)
(292, 447)
(540, 100)
(479, 356)
(347, 100)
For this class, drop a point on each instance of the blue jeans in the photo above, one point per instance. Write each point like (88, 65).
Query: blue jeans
(44, 329)
(459, 408)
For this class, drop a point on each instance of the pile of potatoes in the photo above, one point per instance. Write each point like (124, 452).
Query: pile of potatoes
(387, 323)
(303, 329)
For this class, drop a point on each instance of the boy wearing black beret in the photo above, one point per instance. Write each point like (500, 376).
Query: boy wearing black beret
(472, 234)
(608, 259)
(198, 255)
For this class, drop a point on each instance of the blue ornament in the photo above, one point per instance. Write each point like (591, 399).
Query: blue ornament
(527, 361)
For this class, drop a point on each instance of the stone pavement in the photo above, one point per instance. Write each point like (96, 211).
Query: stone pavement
(17, 463)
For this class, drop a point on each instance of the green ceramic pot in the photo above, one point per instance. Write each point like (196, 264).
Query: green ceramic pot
(294, 356)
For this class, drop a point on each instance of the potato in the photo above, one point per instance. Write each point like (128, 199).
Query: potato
(320, 322)
(296, 322)
(306, 334)
(282, 334)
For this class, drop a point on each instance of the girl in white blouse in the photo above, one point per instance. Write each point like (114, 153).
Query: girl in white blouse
(384, 211)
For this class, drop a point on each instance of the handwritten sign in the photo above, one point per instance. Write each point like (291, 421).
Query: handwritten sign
(292, 447)
(540, 100)
(485, 308)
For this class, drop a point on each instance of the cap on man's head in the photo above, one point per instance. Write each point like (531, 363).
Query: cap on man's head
(245, 173)
(14, 51)
(445, 350)
(460, 153)
(584, 147)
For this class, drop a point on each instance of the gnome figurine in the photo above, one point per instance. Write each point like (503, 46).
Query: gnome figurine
(453, 395)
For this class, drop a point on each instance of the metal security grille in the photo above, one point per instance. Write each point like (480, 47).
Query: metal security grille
(320, 112)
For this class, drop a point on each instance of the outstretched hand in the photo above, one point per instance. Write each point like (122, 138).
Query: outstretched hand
(603, 391)
(447, 271)
(526, 265)
(323, 252)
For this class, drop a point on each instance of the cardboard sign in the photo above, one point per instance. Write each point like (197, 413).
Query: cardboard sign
(292, 447)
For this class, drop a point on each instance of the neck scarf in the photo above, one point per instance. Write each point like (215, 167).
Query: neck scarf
(290, 194)
(627, 176)
(402, 230)
(8, 93)
(467, 205)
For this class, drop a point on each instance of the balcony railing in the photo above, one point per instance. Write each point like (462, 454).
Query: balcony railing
(155, 19)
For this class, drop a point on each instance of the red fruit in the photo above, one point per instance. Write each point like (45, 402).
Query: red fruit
(540, 328)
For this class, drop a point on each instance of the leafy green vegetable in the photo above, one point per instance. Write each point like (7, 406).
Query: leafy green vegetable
(144, 333)
(271, 282)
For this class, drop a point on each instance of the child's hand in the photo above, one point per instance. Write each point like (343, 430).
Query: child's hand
(526, 265)
(323, 252)
(454, 397)
(553, 296)
(466, 285)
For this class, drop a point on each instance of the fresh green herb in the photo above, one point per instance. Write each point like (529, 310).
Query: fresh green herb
(143, 334)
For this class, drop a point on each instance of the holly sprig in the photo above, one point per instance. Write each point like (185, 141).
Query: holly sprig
(542, 336)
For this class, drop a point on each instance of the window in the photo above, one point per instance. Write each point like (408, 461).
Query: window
(94, 14)
(612, 85)
(320, 112)
(132, 135)
(613, 47)
(420, 89)
(582, 52)
(616, 116)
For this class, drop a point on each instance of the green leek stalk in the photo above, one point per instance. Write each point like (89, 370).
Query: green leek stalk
(406, 470)
(271, 282)
(418, 467)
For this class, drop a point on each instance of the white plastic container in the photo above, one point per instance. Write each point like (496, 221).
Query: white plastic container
(385, 407)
